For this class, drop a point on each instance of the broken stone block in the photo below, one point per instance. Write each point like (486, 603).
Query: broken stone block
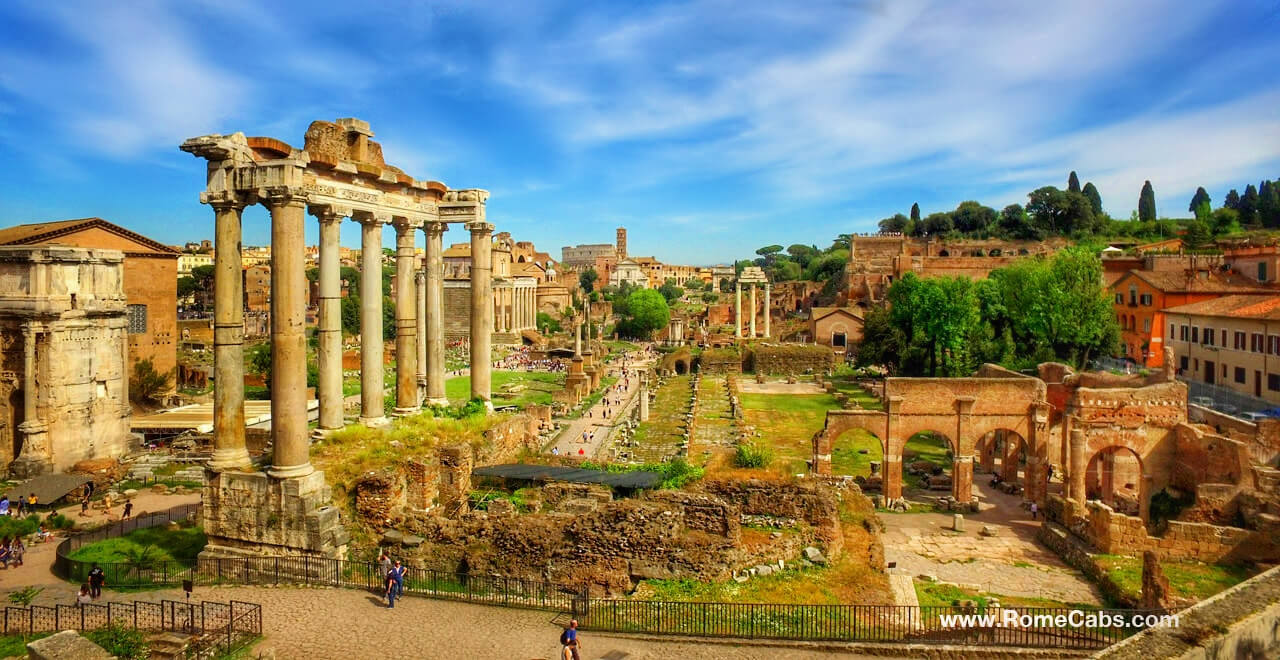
(957, 522)
(763, 569)
(66, 645)
(988, 530)
(392, 537)
(411, 541)
(815, 555)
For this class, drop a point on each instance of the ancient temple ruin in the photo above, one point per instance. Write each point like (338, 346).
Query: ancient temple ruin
(338, 173)
(64, 384)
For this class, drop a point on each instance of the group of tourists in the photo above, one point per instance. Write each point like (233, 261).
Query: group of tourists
(11, 551)
(19, 506)
(521, 359)
(92, 590)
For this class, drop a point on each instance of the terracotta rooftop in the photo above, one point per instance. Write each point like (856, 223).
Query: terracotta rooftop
(48, 232)
(1202, 282)
(817, 313)
(1257, 306)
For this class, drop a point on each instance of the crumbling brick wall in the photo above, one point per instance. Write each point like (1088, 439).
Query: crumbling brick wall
(1114, 533)
(779, 359)
(812, 502)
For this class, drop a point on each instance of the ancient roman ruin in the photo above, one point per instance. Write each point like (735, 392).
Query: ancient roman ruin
(339, 173)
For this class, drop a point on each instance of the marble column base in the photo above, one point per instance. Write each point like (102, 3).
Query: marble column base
(229, 459)
(375, 422)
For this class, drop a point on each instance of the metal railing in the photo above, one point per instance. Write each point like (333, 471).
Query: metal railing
(1218, 397)
(125, 574)
(1035, 627)
(217, 628)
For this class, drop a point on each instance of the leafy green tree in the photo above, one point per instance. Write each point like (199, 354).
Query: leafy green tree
(971, 217)
(842, 242)
(670, 290)
(938, 314)
(1198, 232)
(203, 276)
(710, 297)
(1095, 200)
(1015, 223)
(827, 267)
(1248, 207)
(915, 212)
(647, 311)
(187, 287)
(1060, 212)
(786, 270)
(1199, 199)
(1269, 204)
(1073, 182)
(546, 324)
(769, 251)
(802, 254)
(895, 225)
(146, 384)
(1232, 200)
(587, 279)
(1147, 203)
(882, 342)
(1226, 221)
(936, 224)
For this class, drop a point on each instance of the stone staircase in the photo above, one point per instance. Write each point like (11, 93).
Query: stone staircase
(168, 645)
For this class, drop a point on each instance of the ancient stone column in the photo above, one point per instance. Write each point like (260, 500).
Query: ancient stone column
(229, 450)
(962, 478)
(406, 321)
(371, 384)
(420, 305)
(737, 310)
(481, 309)
(753, 311)
(1076, 483)
(329, 353)
(1009, 459)
(435, 314)
(288, 335)
(766, 311)
(644, 397)
(1144, 497)
(1107, 468)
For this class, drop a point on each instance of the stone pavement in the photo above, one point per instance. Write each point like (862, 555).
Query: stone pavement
(570, 439)
(1011, 563)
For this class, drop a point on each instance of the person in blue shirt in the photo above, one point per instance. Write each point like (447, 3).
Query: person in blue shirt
(570, 638)
(398, 573)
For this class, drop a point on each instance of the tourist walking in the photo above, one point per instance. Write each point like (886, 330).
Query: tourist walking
(84, 505)
(97, 578)
(17, 510)
(399, 572)
(84, 597)
(390, 584)
(128, 510)
(1034, 510)
(569, 639)
(384, 564)
(16, 550)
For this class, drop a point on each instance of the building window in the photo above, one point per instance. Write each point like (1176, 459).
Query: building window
(1255, 342)
(1146, 325)
(1195, 334)
(1240, 375)
(1208, 337)
(1224, 337)
(1146, 299)
(1119, 298)
(1184, 333)
(1182, 363)
(1273, 344)
(1239, 341)
(1262, 271)
(1273, 382)
(137, 319)
(1133, 295)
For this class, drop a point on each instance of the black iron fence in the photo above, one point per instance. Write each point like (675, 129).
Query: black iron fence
(1030, 627)
(216, 628)
(126, 574)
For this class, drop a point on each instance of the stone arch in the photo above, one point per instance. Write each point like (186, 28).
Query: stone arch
(1007, 446)
(838, 422)
(681, 365)
(1114, 475)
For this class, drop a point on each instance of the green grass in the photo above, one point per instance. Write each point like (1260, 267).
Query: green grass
(1188, 579)
(15, 646)
(178, 545)
(787, 423)
(510, 388)
(171, 483)
(928, 447)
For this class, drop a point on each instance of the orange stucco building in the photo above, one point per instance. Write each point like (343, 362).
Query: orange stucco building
(150, 280)
(1142, 296)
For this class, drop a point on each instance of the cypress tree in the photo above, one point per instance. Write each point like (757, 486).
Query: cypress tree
(1147, 203)
(1249, 206)
(915, 212)
(1233, 200)
(1095, 200)
(1269, 204)
(1201, 197)
(1073, 182)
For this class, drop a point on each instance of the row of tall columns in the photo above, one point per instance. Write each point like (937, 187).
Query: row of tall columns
(737, 311)
(514, 308)
(419, 333)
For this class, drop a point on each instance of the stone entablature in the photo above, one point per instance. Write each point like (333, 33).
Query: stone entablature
(64, 392)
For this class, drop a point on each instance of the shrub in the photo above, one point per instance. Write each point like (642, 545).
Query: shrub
(59, 521)
(146, 384)
(752, 456)
(10, 527)
(124, 643)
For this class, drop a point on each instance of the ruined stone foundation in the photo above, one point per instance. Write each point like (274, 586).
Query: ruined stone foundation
(250, 514)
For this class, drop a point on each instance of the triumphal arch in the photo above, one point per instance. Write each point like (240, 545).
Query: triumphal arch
(338, 173)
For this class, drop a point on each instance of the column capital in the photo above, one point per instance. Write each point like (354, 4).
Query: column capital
(371, 218)
(480, 227)
(282, 196)
(226, 200)
(403, 225)
(435, 228)
(329, 212)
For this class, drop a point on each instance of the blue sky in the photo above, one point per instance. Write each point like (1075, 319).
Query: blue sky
(707, 128)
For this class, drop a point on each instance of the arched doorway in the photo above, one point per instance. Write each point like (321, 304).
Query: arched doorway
(1114, 475)
(1002, 453)
(858, 453)
(927, 459)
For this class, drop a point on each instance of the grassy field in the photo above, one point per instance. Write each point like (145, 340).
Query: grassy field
(786, 424)
(657, 437)
(179, 545)
(1188, 579)
(510, 388)
(863, 398)
(944, 595)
